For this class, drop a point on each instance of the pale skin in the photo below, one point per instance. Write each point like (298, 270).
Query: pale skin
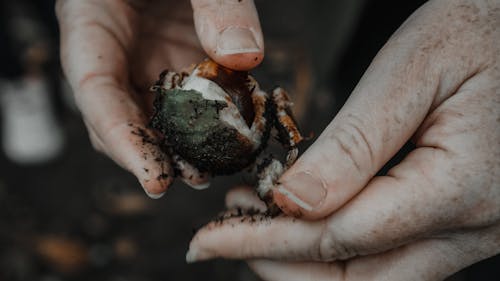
(113, 51)
(436, 82)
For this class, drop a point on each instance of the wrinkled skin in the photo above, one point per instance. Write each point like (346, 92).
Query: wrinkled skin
(436, 82)
(113, 50)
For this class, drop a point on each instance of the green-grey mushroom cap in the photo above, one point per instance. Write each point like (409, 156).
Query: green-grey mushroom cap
(194, 131)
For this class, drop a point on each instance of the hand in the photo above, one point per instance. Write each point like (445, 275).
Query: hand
(436, 81)
(113, 51)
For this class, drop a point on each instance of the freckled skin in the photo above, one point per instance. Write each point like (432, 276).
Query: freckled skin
(437, 83)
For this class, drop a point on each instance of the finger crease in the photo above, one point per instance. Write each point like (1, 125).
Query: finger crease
(347, 151)
(364, 138)
(110, 33)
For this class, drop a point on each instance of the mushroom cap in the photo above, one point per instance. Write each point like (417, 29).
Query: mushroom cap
(193, 129)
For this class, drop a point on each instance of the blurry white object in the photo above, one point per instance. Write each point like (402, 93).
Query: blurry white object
(31, 133)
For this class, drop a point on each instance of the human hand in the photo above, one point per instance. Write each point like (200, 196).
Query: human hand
(112, 51)
(437, 81)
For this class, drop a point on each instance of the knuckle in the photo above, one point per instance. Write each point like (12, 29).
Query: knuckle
(330, 248)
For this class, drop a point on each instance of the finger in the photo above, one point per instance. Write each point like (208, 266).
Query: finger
(414, 201)
(254, 236)
(245, 198)
(94, 58)
(414, 72)
(230, 32)
(190, 175)
(135, 148)
(433, 259)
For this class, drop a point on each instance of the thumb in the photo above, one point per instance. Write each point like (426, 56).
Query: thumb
(407, 77)
(230, 32)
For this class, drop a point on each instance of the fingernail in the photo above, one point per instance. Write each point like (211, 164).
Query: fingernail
(200, 186)
(154, 196)
(304, 190)
(191, 256)
(236, 40)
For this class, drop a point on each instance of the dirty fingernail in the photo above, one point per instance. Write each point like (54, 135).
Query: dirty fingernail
(304, 190)
(236, 40)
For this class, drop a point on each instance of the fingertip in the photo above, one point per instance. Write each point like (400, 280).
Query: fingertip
(136, 149)
(191, 256)
(154, 176)
(197, 246)
(286, 205)
(196, 252)
(154, 196)
(240, 62)
(190, 175)
(244, 197)
(195, 179)
(155, 188)
(235, 193)
(230, 32)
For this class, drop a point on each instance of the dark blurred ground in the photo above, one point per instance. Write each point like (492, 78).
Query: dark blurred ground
(80, 217)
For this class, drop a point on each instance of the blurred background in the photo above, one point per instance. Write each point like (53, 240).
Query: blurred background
(69, 213)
